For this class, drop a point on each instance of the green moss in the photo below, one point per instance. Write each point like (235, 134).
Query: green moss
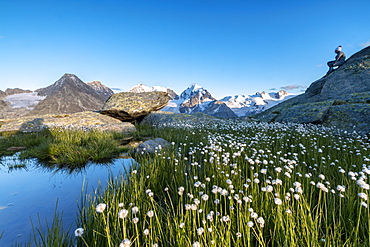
(339, 102)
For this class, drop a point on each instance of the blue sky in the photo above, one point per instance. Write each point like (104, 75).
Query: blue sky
(228, 47)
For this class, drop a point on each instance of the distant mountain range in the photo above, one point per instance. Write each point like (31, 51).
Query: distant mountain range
(69, 95)
(197, 99)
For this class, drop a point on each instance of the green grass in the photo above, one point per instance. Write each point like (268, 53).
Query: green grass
(237, 184)
(68, 148)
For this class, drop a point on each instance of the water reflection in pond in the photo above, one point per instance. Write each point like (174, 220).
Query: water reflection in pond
(28, 189)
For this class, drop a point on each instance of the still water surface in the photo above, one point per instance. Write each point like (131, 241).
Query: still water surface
(32, 191)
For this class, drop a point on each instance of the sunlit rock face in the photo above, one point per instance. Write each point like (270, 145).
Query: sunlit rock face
(341, 99)
(101, 89)
(129, 107)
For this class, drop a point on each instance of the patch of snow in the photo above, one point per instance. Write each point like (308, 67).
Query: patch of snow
(173, 106)
(141, 88)
(26, 100)
(191, 91)
(243, 105)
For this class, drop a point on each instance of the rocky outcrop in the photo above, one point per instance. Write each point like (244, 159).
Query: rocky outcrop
(151, 146)
(82, 120)
(2, 95)
(11, 91)
(3, 104)
(340, 99)
(131, 107)
(219, 109)
(352, 77)
(68, 95)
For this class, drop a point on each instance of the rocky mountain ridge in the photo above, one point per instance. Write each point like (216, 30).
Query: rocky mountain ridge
(141, 88)
(68, 95)
(101, 89)
(243, 105)
(340, 99)
(197, 99)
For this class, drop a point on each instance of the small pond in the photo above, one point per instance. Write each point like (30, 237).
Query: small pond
(29, 190)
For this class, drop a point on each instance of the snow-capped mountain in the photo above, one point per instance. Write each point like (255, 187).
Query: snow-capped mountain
(141, 88)
(197, 99)
(243, 105)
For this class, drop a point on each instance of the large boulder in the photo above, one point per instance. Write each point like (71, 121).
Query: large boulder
(341, 99)
(77, 121)
(131, 107)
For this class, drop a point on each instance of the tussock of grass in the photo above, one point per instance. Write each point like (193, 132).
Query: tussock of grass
(73, 148)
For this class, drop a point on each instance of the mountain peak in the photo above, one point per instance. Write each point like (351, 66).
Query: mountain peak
(66, 79)
(141, 88)
(101, 89)
(196, 91)
(68, 95)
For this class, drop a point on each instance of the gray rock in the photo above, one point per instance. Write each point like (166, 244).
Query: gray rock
(130, 107)
(78, 121)
(219, 109)
(150, 146)
(341, 99)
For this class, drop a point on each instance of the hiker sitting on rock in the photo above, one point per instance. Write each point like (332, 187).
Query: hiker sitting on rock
(339, 59)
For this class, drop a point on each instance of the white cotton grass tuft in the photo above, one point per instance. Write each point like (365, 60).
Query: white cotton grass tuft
(123, 213)
(135, 210)
(196, 244)
(125, 243)
(150, 213)
(363, 196)
(79, 232)
(101, 207)
(200, 230)
(278, 201)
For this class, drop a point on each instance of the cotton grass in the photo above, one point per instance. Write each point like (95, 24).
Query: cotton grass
(231, 183)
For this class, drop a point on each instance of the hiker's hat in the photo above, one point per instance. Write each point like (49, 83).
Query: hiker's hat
(339, 48)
